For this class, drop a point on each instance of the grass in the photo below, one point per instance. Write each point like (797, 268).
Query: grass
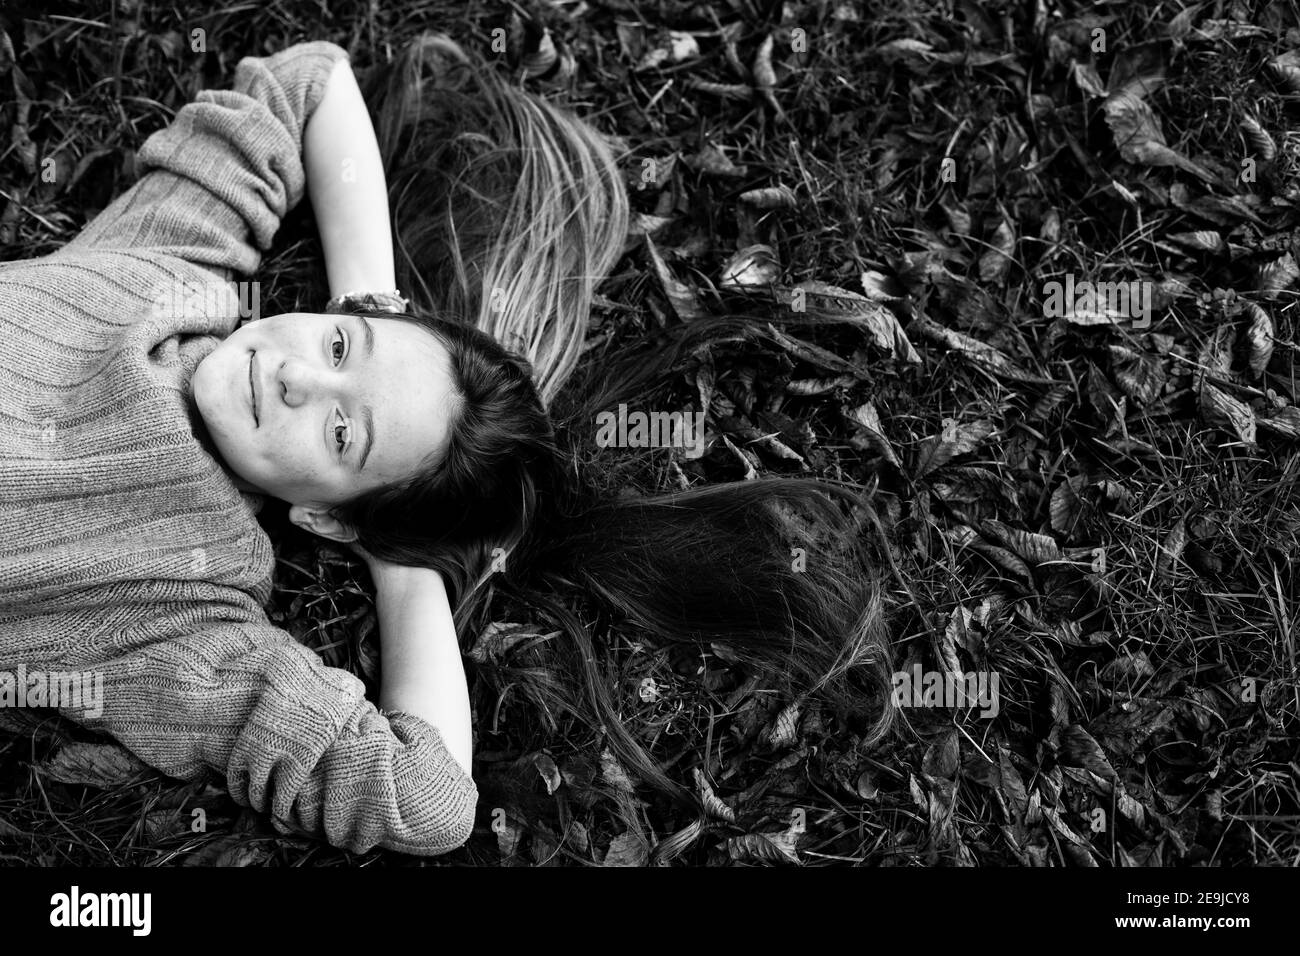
(1099, 513)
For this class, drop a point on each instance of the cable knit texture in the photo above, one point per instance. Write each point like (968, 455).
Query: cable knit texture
(125, 547)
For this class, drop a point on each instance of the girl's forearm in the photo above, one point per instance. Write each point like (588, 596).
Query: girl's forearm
(422, 672)
(348, 191)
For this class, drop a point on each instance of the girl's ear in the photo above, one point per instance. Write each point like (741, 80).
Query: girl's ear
(320, 522)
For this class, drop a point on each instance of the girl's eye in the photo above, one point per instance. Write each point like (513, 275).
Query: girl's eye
(344, 424)
(342, 444)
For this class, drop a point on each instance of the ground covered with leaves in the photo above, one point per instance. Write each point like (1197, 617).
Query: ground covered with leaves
(1088, 498)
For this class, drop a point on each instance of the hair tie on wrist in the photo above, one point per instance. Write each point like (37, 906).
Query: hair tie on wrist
(364, 301)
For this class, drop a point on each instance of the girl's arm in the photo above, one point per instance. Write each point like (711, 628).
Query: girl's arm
(421, 667)
(293, 737)
(349, 195)
(217, 182)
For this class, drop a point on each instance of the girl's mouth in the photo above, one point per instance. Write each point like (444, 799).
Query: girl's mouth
(252, 388)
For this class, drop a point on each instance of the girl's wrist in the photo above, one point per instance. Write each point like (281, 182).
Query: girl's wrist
(378, 300)
(392, 577)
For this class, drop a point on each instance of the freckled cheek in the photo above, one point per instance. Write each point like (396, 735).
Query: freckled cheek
(305, 470)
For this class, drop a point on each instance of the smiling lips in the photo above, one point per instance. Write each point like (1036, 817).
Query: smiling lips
(252, 387)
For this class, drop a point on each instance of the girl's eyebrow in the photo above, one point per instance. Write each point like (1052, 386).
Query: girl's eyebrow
(367, 414)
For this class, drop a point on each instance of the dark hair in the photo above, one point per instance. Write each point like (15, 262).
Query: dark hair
(708, 566)
(480, 491)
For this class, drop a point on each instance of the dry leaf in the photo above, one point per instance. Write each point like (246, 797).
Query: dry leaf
(711, 161)
(728, 91)
(856, 309)
(955, 439)
(680, 295)
(1137, 133)
(995, 263)
(1141, 376)
(1283, 421)
(549, 771)
(986, 356)
(1202, 240)
(764, 73)
(964, 536)
(675, 47)
(880, 287)
(772, 197)
(1034, 548)
(747, 459)
(1171, 550)
(102, 765)
(753, 266)
(813, 354)
(1259, 339)
(1277, 276)
(244, 854)
(942, 758)
(1080, 747)
(1287, 70)
(713, 804)
(868, 420)
(784, 730)
(498, 638)
(775, 847)
(955, 633)
(1221, 409)
(1066, 506)
(613, 773)
(626, 849)
(818, 386)
(645, 224)
(508, 834)
(540, 60)
(1258, 141)
(1087, 79)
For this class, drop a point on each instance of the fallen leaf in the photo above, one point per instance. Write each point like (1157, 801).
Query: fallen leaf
(771, 197)
(680, 295)
(102, 765)
(626, 849)
(775, 847)
(868, 421)
(986, 356)
(995, 263)
(1230, 414)
(753, 266)
(1137, 134)
(713, 804)
(957, 438)
(1171, 550)
(1259, 339)
(550, 773)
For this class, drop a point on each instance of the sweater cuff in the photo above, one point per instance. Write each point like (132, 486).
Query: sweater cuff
(302, 70)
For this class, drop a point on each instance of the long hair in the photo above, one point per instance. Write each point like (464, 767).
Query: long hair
(507, 212)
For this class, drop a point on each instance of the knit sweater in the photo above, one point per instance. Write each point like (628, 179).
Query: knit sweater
(126, 549)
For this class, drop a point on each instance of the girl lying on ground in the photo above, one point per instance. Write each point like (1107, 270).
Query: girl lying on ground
(434, 436)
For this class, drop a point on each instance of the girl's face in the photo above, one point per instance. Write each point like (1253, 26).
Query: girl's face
(316, 408)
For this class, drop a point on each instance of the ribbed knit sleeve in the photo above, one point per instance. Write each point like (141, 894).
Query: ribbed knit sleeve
(216, 183)
(293, 738)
